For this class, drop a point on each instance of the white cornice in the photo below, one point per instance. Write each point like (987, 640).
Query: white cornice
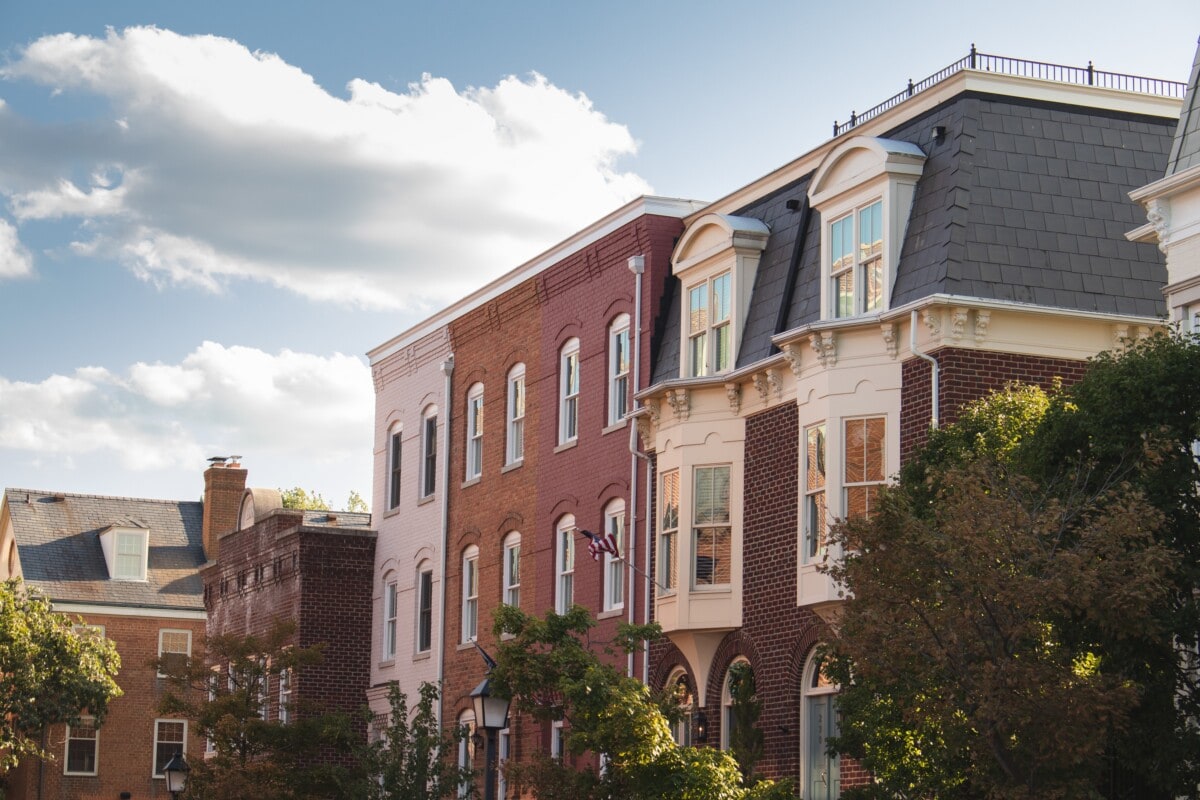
(86, 609)
(1168, 186)
(642, 206)
(955, 84)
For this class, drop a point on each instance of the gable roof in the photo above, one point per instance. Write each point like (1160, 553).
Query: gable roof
(58, 543)
(1185, 152)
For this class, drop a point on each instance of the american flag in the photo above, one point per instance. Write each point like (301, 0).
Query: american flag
(601, 543)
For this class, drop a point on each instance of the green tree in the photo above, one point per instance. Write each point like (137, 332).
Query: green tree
(356, 503)
(745, 738)
(224, 693)
(553, 670)
(415, 758)
(49, 674)
(1023, 601)
(298, 499)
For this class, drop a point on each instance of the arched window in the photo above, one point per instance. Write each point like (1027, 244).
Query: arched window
(475, 431)
(614, 567)
(391, 603)
(424, 607)
(514, 450)
(728, 718)
(618, 369)
(470, 594)
(512, 569)
(394, 446)
(564, 564)
(820, 772)
(568, 392)
(466, 750)
(428, 451)
(679, 686)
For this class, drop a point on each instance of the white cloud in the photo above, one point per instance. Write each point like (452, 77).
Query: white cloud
(297, 418)
(211, 163)
(15, 259)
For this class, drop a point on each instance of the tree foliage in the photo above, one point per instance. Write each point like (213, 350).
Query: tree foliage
(415, 758)
(1023, 597)
(745, 737)
(355, 502)
(298, 499)
(552, 669)
(49, 673)
(312, 755)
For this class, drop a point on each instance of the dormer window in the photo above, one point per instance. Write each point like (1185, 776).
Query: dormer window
(716, 261)
(125, 552)
(710, 336)
(863, 190)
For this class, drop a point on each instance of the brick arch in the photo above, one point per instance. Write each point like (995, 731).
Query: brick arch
(668, 659)
(798, 657)
(735, 644)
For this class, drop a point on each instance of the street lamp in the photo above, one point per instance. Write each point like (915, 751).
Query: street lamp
(176, 772)
(491, 713)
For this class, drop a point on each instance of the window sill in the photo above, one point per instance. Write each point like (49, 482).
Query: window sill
(471, 481)
(465, 646)
(388, 662)
(669, 594)
(566, 445)
(426, 499)
(720, 589)
(512, 466)
(611, 613)
(424, 655)
(616, 426)
(391, 512)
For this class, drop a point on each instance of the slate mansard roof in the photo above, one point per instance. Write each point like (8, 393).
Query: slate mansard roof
(1023, 201)
(58, 539)
(1185, 152)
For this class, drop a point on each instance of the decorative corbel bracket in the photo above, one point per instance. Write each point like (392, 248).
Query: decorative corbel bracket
(654, 409)
(760, 383)
(888, 329)
(824, 344)
(791, 352)
(933, 323)
(680, 402)
(982, 320)
(733, 391)
(1159, 215)
(377, 376)
(958, 323)
(645, 432)
(775, 381)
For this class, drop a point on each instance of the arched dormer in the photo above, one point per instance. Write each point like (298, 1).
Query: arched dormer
(256, 504)
(716, 261)
(864, 191)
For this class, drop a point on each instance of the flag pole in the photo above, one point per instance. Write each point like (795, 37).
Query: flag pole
(618, 557)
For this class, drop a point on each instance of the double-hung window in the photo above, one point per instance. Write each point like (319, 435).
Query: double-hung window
(470, 594)
(83, 743)
(711, 531)
(815, 531)
(515, 449)
(174, 648)
(856, 261)
(131, 556)
(512, 569)
(170, 739)
(394, 469)
(864, 465)
(568, 392)
(429, 452)
(424, 610)
(618, 369)
(564, 561)
(285, 696)
(614, 567)
(475, 431)
(668, 531)
(710, 330)
(390, 602)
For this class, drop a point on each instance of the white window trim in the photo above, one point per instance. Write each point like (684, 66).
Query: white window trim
(811, 536)
(514, 448)
(711, 327)
(428, 483)
(154, 773)
(614, 568)
(569, 363)
(503, 752)
(264, 688)
(466, 750)
(187, 653)
(668, 557)
(469, 631)
(512, 588)
(847, 485)
(564, 563)
(474, 442)
(285, 696)
(618, 372)
(395, 455)
(727, 702)
(858, 264)
(695, 527)
(807, 691)
(558, 739)
(422, 570)
(681, 731)
(95, 739)
(391, 607)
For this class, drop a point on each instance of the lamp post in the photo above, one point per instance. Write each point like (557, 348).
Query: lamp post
(491, 713)
(176, 772)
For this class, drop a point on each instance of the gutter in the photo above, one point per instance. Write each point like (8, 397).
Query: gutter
(933, 369)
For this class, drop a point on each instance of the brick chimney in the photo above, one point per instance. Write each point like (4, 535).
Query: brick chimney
(224, 483)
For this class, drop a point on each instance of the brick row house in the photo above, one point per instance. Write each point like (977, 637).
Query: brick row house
(128, 569)
(501, 430)
(797, 337)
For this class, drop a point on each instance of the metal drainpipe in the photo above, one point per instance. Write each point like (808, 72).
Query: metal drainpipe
(637, 265)
(933, 370)
(448, 372)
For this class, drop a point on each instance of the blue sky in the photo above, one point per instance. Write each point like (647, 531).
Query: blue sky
(209, 212)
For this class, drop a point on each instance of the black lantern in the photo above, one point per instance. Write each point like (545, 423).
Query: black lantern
(701, 726)
(491, 714)
(176, 772)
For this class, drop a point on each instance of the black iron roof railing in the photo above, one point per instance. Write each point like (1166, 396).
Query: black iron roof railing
(1084, 76)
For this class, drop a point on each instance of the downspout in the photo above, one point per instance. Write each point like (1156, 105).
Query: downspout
(448, 372)
(933, 369)
(637, 265)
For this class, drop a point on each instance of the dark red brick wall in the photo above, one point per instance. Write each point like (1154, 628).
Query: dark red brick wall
(125, 748)
(223, 488)
(967, 375)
